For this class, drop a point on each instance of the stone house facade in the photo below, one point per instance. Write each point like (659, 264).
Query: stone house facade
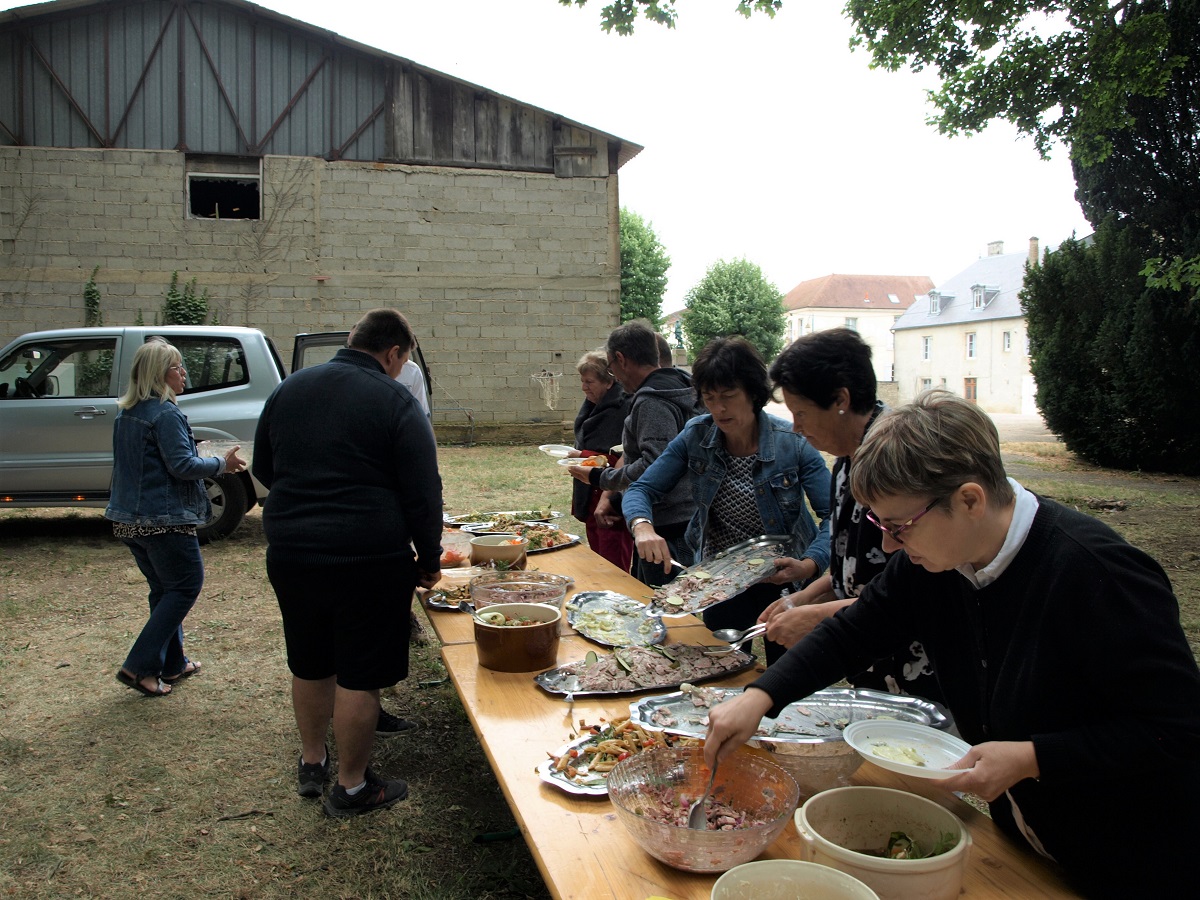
(969, 336)
(868, 304)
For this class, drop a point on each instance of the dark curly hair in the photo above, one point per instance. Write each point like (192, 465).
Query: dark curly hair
(727, 362)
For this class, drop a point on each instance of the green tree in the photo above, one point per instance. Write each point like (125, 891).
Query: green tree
(644, 264)
(734, 298)
(1113, 358)
(621, 15)
(92, 316)
(183, 306)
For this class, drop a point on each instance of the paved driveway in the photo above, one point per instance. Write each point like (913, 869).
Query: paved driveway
(1012, 426)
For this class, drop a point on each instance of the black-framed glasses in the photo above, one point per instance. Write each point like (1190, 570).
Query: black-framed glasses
(894, 531)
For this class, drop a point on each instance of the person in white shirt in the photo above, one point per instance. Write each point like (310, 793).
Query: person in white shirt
(413, 379)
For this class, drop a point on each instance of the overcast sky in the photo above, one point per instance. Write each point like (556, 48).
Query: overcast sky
(765, 139)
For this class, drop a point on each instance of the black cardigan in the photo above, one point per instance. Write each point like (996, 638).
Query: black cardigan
(597, 428)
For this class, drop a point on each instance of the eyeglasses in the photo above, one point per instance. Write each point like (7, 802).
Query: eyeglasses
(896, 530)
(178, 368)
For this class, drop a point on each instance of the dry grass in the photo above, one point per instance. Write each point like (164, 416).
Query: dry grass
(106, 794)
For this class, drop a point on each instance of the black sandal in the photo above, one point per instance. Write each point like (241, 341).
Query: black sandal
(191, 667)
(132, 681)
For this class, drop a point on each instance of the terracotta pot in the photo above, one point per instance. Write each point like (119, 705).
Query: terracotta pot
(519, 648)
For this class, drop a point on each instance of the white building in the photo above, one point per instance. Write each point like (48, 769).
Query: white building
(968, 336)
(868, 304)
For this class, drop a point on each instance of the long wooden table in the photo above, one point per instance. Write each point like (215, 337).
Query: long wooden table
(580, 847)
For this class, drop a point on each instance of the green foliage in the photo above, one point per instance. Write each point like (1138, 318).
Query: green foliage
(644, 264)
(1114, 359)
(1057, 69)
(92, 316)
(139, 319)
(621, 15)
(734, 298)
(182, 306)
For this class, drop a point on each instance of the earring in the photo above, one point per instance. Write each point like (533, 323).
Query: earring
(841, 412)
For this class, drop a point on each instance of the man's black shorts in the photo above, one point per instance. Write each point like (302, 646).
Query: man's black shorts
(352, 620)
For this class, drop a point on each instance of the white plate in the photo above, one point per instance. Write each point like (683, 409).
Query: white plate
(935, 748)
(555, 450)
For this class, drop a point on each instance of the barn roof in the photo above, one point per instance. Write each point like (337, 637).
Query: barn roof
(31, 15)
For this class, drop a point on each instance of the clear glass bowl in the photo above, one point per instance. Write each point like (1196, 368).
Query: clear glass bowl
(520, 587)
(746, 781)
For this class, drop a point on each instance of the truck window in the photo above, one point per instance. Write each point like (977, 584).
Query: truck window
(212, 362)
(71, 367)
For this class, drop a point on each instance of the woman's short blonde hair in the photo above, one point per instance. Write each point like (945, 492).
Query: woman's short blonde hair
(930, 448)
(148, 377)
(595, 363)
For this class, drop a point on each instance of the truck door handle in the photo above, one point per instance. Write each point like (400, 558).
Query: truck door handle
(90, 412)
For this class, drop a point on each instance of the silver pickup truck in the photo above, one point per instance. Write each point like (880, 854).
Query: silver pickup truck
(58, 400)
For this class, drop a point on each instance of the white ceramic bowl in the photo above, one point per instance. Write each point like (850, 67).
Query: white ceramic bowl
(833, 822)
(788, 879)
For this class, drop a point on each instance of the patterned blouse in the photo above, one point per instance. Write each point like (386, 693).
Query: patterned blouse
(733, 516)
(856, 548)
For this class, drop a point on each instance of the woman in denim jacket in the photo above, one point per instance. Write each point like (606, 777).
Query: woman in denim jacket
(157, 501)
(750, 475)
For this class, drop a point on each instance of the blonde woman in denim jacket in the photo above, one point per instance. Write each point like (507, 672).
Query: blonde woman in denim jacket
(750, 475)
(157, 500)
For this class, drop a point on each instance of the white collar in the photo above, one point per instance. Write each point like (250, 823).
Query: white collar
(1024, 510)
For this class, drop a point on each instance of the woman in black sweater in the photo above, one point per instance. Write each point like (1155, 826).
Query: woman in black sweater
(1057, 646)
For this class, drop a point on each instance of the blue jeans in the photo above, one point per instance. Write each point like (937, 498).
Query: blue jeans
(174, 570)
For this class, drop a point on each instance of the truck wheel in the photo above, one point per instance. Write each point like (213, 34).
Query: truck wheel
(227, 494)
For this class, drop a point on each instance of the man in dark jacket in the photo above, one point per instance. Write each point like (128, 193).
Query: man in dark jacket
(663, 401)
(351, 462)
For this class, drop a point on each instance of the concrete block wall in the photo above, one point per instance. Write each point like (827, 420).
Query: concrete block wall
(502, 274)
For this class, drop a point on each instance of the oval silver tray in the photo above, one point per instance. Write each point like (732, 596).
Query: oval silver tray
(636, 628)
(729, 572)
(553, 680)
(523, 514)
(818, 718)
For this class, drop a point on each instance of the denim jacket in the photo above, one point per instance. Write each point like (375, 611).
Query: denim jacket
(156, 472)
(789, 469)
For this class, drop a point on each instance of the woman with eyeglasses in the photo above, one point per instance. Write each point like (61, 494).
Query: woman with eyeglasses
(598, 427)
(1057, 645)
(750, 474)
(157, 500)
(828, 384)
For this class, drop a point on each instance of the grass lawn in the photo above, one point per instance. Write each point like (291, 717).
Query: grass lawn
(106, 794)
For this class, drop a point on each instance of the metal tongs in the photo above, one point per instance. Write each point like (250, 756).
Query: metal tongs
(748, 635)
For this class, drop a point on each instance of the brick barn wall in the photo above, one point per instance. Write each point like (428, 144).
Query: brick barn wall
(502, 274)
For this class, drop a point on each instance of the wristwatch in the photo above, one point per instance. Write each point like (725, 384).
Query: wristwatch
(638, 521)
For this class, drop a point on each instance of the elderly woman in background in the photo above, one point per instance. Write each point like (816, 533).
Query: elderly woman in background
(157, 501)
(750, 475)
(597, 429)
(1057, 645)
(828, 384)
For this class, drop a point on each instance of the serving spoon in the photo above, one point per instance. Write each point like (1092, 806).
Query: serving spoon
(697, 817)
(736, 636)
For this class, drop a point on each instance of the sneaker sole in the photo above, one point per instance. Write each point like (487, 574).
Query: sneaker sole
(414, 728)
(310, 790)
(350, 811)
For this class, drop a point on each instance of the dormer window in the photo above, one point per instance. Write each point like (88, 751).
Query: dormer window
(983, 294)
(935, 303)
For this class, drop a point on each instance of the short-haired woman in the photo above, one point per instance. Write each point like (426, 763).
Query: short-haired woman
(750, 475)
(157, 501)
(597, 430)
(1057, 646)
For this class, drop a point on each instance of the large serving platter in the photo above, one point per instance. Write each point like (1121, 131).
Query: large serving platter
(564, 539)
(558, 680)
(720, 577)
(524, 515)
(614, 620)
(817, 718)
(588, 783)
